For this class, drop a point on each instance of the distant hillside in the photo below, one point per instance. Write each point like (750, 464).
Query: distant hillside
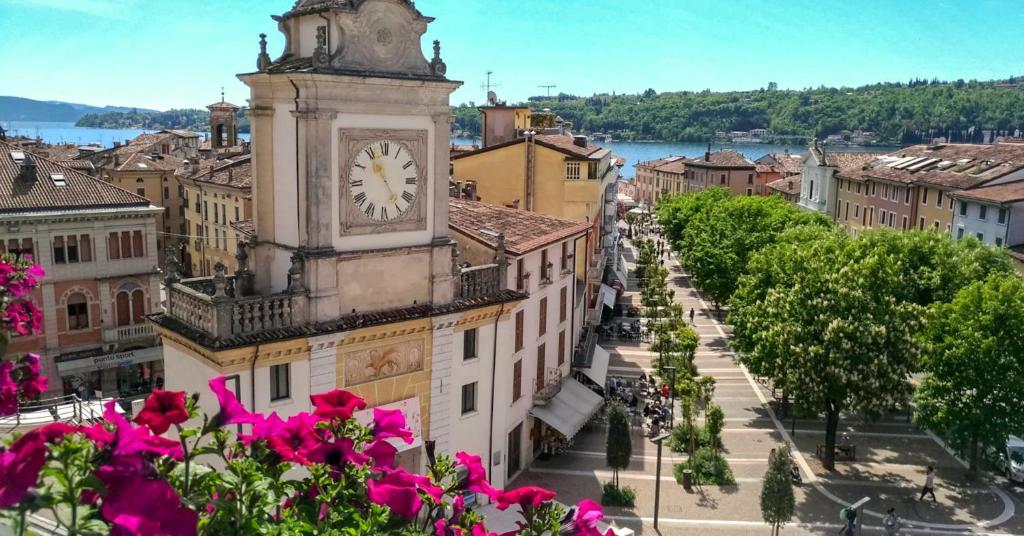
(188, 119)
(895, 112)
(22, 109)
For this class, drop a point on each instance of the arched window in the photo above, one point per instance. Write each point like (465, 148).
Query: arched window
(78, 312)
(124, 309)
(130, 305)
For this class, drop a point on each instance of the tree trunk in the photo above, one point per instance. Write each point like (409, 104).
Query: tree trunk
(831, 424)
(973, 468)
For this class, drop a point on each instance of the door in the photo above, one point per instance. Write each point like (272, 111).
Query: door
(515, 449)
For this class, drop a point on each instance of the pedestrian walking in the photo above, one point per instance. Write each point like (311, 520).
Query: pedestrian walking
(891, 522)
(691, 316)
(850, 527)
(929, 485)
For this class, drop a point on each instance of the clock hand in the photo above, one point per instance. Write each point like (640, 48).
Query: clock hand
(387, 185)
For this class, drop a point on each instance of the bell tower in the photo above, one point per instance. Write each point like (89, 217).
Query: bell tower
(350, 137)
(223, 127)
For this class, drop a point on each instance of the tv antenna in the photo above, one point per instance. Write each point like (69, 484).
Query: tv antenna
(486, 86)
(548, 87)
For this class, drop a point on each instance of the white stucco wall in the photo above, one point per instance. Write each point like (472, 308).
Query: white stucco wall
(972, 224)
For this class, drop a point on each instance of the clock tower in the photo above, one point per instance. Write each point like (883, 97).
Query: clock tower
(350, 141)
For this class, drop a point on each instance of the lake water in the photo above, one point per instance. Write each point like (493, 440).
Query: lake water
(59, 132)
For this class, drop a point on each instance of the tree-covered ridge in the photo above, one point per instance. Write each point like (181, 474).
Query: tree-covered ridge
(188, 119)
(895, 112)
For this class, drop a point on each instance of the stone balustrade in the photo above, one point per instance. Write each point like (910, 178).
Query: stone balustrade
(479, 281)
(196, 303)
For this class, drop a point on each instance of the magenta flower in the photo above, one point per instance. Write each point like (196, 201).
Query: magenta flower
(476, 475)
(231, 410)
(390, 423)
(20, 466)
(383, 454)
(337, 404)
(402, 500)
(23, 317)
(8, 390)
(401, 477)
(31, 362)
(588, 513)
(50, 432)
(526, 497)
(140, 506)
(129, 440)
(34, 386)
(293, 437)
(163, 409)
(334, 453)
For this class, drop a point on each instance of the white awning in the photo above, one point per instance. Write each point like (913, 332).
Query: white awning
(608, 296)
(570, 409)
(598, 371)
(620, 273)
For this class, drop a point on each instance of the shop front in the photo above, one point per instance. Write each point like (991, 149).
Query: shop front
(125, 374)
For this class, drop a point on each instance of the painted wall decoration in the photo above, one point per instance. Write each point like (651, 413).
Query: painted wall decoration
(383, 362)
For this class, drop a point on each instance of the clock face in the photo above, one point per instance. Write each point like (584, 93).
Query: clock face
(383, 180)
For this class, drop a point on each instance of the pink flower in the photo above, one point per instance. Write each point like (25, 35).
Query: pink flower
(480, 530)
(231, 410)
(323, 512)
(129, 440)
(8, 390)
(334, 453)
(401, 477)
(588, 513)
(402, 500)
(476, 475)
(31, 362)
(337, 404)
(163, 409)
(20, 466)
(390, 423)
(140, 506)
(50, 433)
(291, 438)
(526, 497)
(23, 317)
(383, 454)
(34, 386)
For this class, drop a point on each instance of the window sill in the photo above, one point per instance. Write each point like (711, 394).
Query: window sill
(471, 360)
(280, 402)
(469, 414)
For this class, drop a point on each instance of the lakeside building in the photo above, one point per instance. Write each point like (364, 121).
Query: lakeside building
(664, 176)
(529, 402)
(724, 168)
(774, 166)
(215, 200)
(350, 281)
(993, 214)
(788, 188)
(818, 188)
(98, 245)
(913, 187)
(152, 175)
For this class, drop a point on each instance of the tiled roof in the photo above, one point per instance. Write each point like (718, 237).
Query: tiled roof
(785, 163)
(1010, 192)
(848, 161)
(955, 166)
(524, 231)
(56, 153)
(306, 7)
(675, 166)
(345, 323)
(232, 173)
(789, 185)
(557, 142)
(145, 162)
(652, 164)
(222, 106)
(722, 159)
(79, 190)
(246, 227)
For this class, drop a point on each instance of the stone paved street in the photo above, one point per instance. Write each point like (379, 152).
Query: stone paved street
(891, 457)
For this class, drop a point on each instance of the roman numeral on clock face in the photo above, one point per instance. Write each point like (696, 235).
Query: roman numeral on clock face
(407, 164)
(383, 213)
(370, 210)
(360, 198)
(410, 180)
(407, 196)
(385, 147)
(356, 183)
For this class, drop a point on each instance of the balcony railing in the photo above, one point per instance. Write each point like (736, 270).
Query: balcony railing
(478, 281)
(552, 386)
(584, 351)
(196, 303)
(128, 333)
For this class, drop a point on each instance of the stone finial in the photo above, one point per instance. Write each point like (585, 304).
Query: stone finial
(263, 60)
(295, 274)
(171, 270)
(220, 280)
(320, 56)
(437, 65)
(499, 250)
(455, 261)
(242, 256)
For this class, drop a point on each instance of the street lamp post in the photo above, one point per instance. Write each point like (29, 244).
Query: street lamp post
(672, 396)
(657, 479)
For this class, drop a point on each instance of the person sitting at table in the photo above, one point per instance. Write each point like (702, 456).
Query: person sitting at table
(643, 377)
(664, 390)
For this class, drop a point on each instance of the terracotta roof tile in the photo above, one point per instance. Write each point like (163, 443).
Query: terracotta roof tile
(956, 166)
(524, 231)
(675, 166)
(146, 162)
(566, 144)
(233, 173)
(246, 227)
(787, 185)
(1010, 192)
(722, 159)
(79, 190)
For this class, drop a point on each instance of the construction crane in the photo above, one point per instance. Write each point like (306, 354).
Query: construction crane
(548, 87)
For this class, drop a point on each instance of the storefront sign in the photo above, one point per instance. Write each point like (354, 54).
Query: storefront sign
(107, 361)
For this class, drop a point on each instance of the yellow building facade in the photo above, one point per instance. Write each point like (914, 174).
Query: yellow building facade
(215, 202)
(153, 176)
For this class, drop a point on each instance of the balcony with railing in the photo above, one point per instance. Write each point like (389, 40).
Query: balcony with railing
(584, 352)
(128, 333)
(551, 385)
(479, 281)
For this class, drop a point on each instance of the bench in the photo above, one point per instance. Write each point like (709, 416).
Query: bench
(847, 452)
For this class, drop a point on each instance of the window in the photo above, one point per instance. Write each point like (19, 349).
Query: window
(881, 216)
(517, 380)
(85, 248)
(236, 213)
(906, 197)
(469, 398)
(469, 344)
(561, 347)
(563, 303)
(130, 307)
(137, 245)
(963, 208)
(565, 256)
(280, 382)
(885, 191)
(198, 207)
(982, 212)
(938, 198)
(58, 250)
(543, 328)
(750, 192)
(750, 179)
(874, 188)
(167, 193)
(856, 211)
(959, 233)
(892, 219)
(206, 210)
(78, 312)
(546, 274)
(905, 223)
(541, 356)
(981, 236)
(113, 247)
(223, 213)
(572, 171)
(920, 224)
(999, 241)
(520, 274)
(1002, 215)
(924, 196)
(519, 331)
(810, 189)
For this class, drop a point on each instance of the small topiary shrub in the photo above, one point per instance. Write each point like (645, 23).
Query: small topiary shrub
(708, 467)
(613, 495)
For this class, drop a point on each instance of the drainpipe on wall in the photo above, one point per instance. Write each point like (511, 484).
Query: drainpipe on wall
(494, 368)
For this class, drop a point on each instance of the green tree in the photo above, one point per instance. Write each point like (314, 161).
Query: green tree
(714, 421)
(973, 389)
(619, 445)
(777, 501)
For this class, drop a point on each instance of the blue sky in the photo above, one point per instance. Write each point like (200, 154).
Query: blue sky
(178, 53)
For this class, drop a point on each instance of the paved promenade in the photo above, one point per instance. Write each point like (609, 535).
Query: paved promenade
(892, 456)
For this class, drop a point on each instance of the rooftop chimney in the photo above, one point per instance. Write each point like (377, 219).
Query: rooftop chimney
(707, 154)
(27, 169)
(579, 140)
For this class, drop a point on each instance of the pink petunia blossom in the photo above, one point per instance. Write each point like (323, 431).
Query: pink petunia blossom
(23, 317)
(401, 477)
(293, 437)
(526, 497)
(265, 427)
(337, 404)
(390, 423)
(20, 466)
(49, 433)
(588, 513)
(163, 409)
(141, 506)
(129, 440)
(404, 501)
(231, 410)
(476, 475)
(334, 453)
(31, 362)
(383, 454)
(8, 390)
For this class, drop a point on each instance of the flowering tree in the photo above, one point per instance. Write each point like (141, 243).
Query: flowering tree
(19, 380)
